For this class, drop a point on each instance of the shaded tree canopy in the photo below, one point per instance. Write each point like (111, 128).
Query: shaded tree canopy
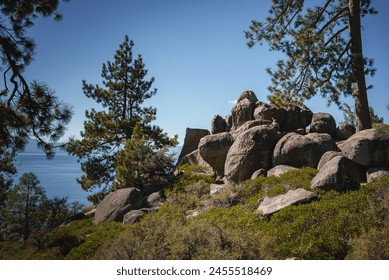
(28, 212)
(124, 90)
(143, 165)
(27, 109)
(323, 51)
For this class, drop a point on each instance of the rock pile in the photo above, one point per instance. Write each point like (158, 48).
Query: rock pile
(258, 139)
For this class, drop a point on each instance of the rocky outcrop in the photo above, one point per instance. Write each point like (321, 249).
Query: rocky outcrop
(218, 125)
(270, 205)
(368, 147)
(116, 204)
(302, 150)
(243, 110)
(213, 149)
(323, 123)
(287, 120)
(278, 170)
(191, 141)
(251, 151)
(345, 131)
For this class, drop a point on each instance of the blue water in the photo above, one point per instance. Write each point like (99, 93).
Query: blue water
(57, 176)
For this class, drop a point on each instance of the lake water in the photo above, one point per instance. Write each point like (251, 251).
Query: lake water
(57, 176)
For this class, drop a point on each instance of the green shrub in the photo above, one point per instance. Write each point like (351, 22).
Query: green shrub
(103, 232)
(190, 174)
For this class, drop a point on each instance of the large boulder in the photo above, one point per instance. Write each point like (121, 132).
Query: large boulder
(247, 125)
(218, 125)
(191, 141)
(345, 131)
(368, 147)
(243, 110)
(302, 150)
(116, 204)
(339, 173)
(288, 120)
(194, 158)
(296, 117)
(323, 123)
(326, 157)
(270, 205)
(251, 151)
(268, 112)
(213, 149)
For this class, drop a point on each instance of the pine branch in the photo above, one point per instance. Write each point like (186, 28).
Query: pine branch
(333, 19)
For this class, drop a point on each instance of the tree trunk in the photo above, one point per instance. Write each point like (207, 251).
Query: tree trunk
(26, 229)
(359, 82)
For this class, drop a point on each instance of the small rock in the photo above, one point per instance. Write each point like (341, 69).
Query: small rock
(377, 172)
(154, 199)
(258, 173)
(215, 188)
(279, 170)
(133, 216)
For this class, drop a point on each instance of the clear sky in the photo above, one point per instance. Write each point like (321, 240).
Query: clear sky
(195, 49)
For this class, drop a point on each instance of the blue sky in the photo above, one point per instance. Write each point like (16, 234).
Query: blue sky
(196, 51)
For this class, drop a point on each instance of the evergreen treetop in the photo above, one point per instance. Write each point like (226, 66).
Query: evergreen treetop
(322, 44)
(122, 94)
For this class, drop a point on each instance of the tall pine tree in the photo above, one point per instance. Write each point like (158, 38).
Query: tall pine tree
(122, 94)
(323, 49)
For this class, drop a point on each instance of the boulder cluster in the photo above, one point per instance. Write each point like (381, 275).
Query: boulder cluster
(258, 139)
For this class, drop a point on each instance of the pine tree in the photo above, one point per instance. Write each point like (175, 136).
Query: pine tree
(323, 49)
(27, 110)
(124, 90)
(22, 213)
(143, 165)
